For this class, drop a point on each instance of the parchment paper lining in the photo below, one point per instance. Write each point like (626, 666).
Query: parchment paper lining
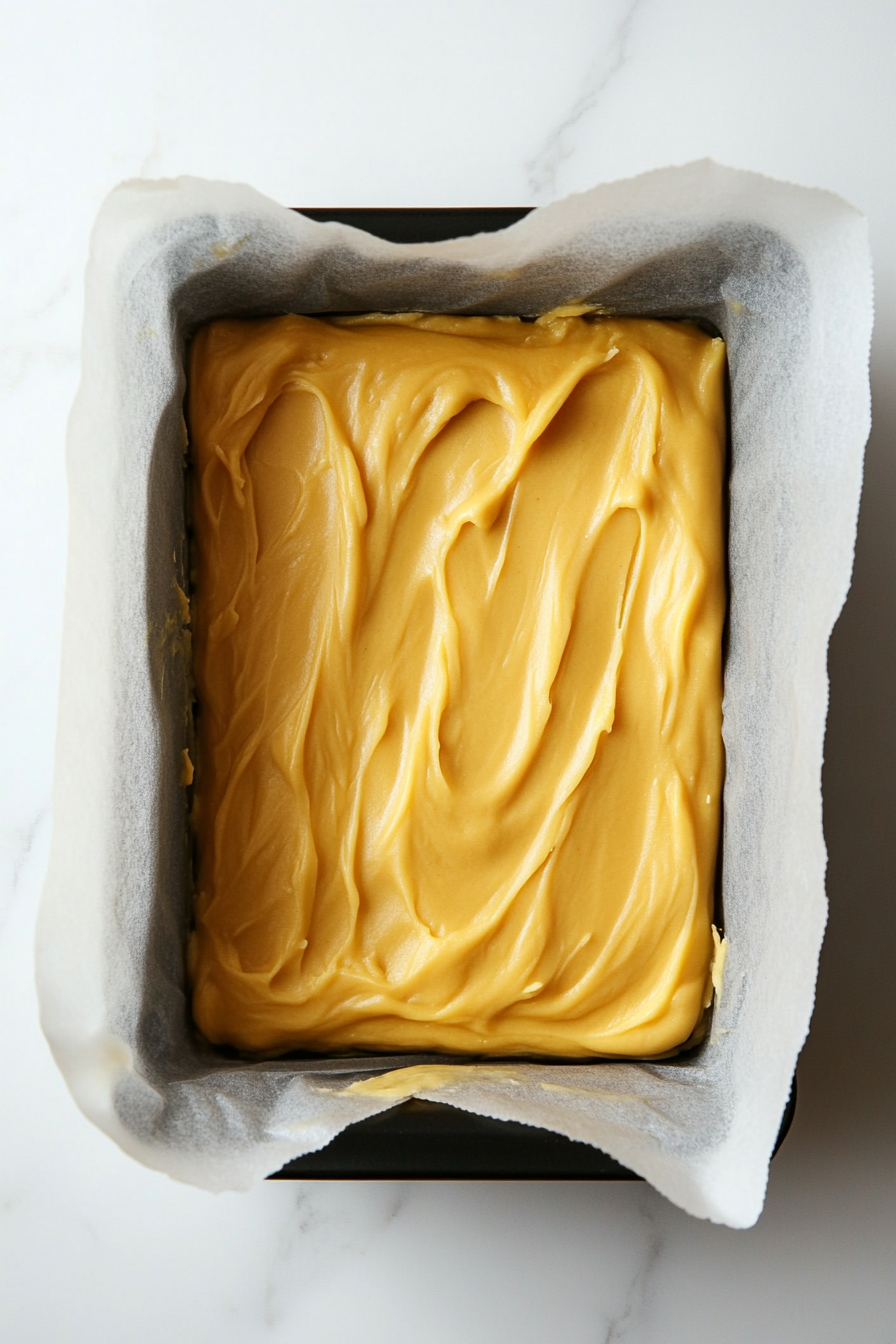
(783, 272)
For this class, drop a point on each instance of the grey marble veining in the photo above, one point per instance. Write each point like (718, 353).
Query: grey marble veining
(560, 142)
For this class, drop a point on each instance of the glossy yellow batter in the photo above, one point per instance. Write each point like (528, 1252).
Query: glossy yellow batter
(458, 605)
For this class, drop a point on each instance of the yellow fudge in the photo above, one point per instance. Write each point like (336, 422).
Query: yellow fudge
(459, 589)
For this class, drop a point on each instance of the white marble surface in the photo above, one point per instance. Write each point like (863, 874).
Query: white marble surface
(453, 103)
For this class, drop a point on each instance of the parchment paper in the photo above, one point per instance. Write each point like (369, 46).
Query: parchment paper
(784, 273)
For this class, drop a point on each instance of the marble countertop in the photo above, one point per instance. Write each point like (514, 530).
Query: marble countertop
(507, 102)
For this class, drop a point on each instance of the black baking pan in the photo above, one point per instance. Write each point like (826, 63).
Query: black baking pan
(423, 226)
(427, 1140)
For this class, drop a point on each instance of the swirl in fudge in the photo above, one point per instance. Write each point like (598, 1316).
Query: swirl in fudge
(458, 606)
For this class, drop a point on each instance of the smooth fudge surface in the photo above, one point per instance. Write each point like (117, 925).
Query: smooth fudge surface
(459, 591)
